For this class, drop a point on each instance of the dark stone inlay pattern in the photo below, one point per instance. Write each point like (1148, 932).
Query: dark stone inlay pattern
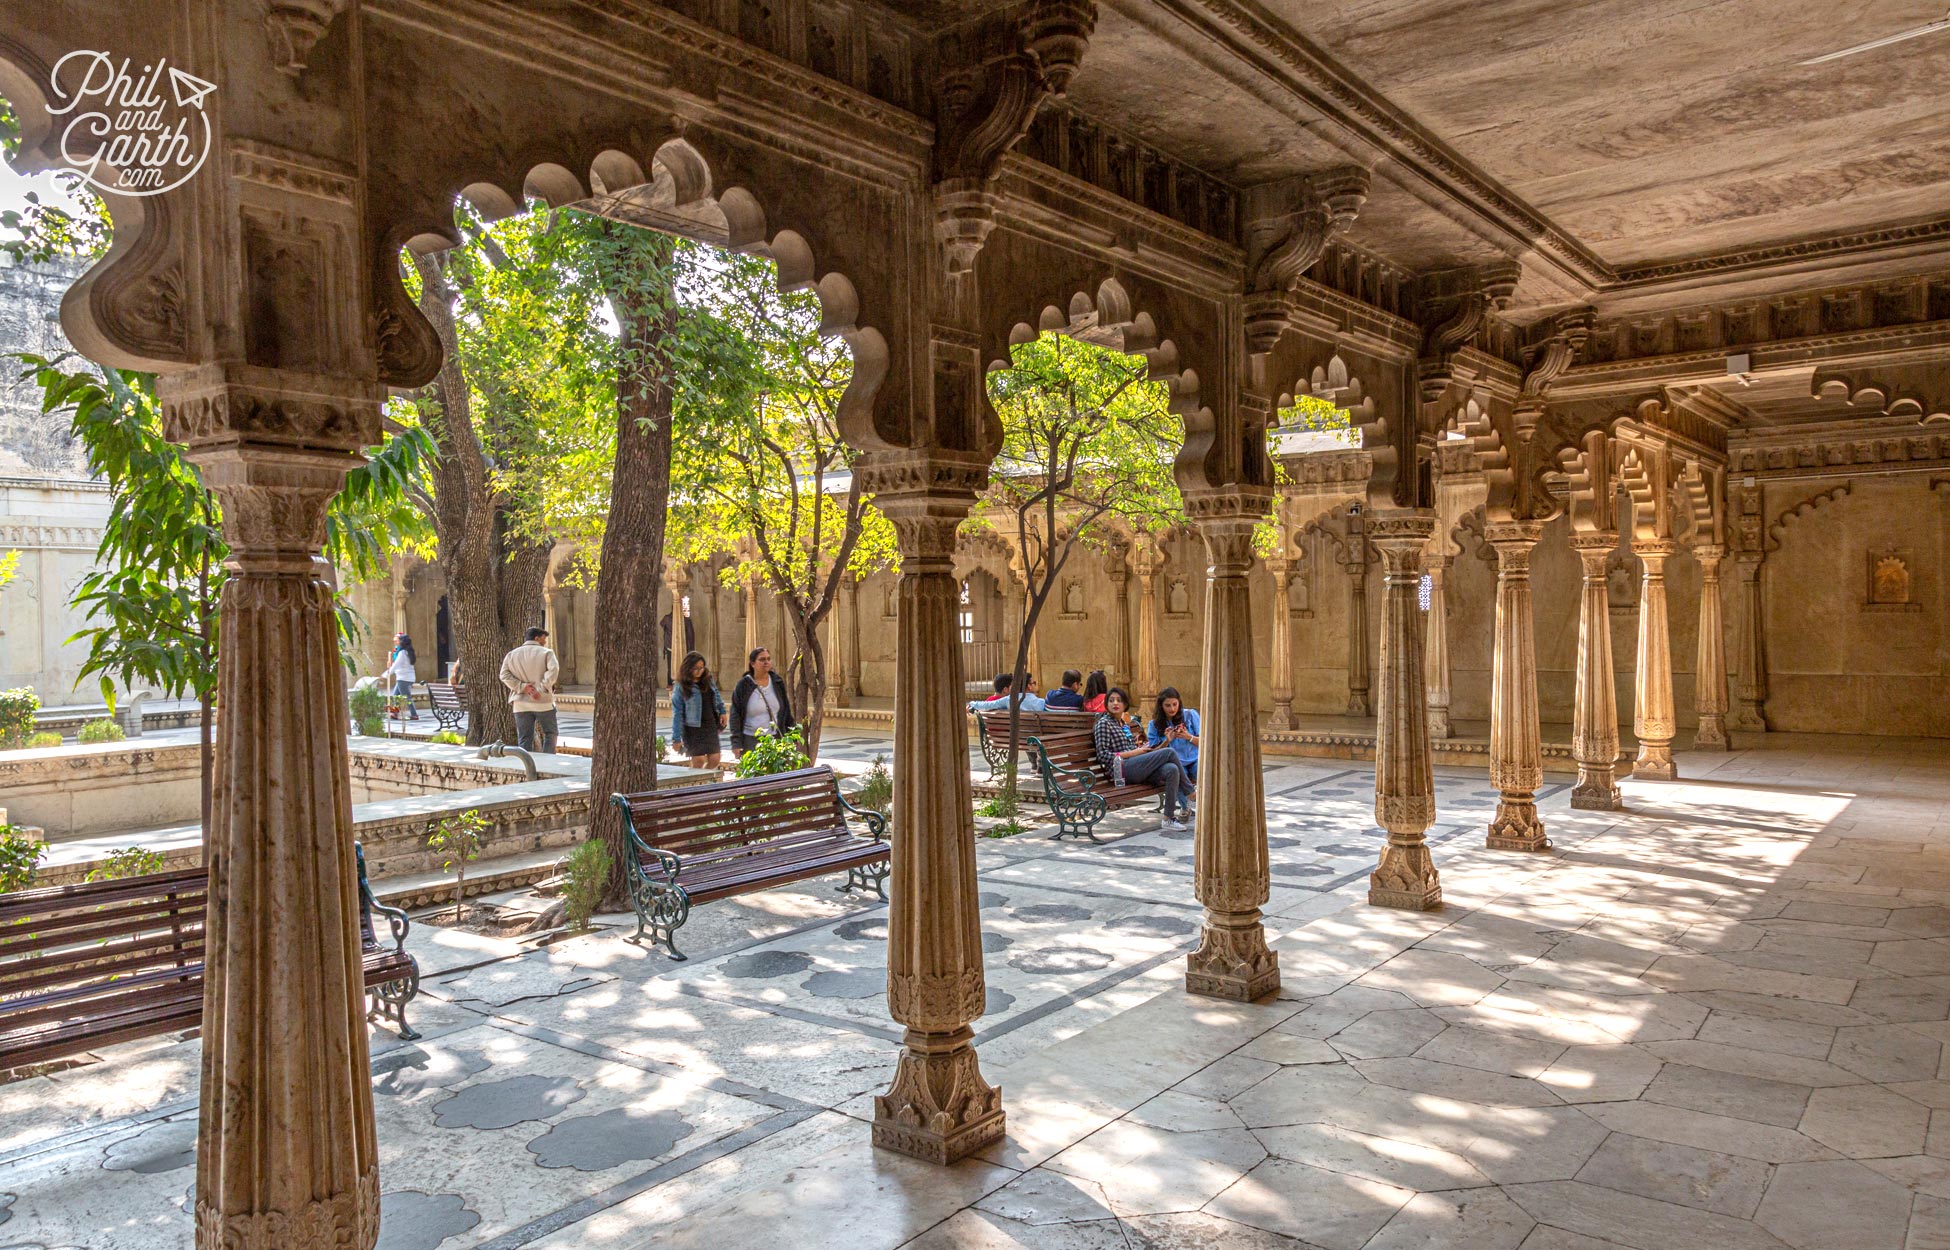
(1153, 925)
(992, 898)
(504, 1104)
(873, 929)
(994, 943)
(1349, 850)
(410, 1219)
(1170, 835)
(7, 1207)
(1300, 870)
(1038, 913)
(1135, 851)
(851, 983)
(760, 964)
(1061, 960)
(998, 1002)
(1333, 794)
(593, 1143)
(163, 1147)
(413, 1069)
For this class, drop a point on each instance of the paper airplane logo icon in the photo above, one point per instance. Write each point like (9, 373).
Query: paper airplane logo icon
(189, 89)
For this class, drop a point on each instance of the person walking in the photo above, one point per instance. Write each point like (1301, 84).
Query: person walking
(1174, 725)
(758, 702)
(1131, 763)
(400, 676)
(530, 672)
(697, 712)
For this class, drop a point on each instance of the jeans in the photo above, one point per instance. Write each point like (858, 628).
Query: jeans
(1158, 768)
(536, 731)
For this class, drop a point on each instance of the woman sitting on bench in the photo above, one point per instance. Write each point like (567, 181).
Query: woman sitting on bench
(1130, 763)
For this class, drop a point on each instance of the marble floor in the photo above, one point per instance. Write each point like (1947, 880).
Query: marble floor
(1714, 1020)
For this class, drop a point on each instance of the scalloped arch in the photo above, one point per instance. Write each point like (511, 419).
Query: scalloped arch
(1109, 313)
(676, 192)
(1777, 532)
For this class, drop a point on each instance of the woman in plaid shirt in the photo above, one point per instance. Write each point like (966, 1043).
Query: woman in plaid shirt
(1130, 763)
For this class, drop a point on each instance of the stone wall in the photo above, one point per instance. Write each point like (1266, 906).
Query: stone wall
(55, 524)
(33, 443)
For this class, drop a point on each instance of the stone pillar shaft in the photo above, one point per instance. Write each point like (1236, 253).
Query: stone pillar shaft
(1230, 856)
(1282, 717)
(1435, 658)
(286, 1155)
(1404, 798)
(1516, 737)
(850, 642)
(938, 1108)
(1750, 713)
(1358, 679)
(1148, 678)
(754, 632)
(1710, 687)
(1594, 731)
(1653, 719)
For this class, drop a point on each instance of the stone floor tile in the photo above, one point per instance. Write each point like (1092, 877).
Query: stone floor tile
(1920, 921)
(1547, 1238)
(1835, 1206)
(1274, 1046)
(1707, 1179)
(1227, 1078)
(976, 1229)
(1764, 1064)
(1297, 1095)
(1381, 1034)
(1601, 1073)
(1838, 913)
(1678, 973)
(1471, 1219)
(1924, 1174)
(1148, 1171)
(1782, 1037)
(1491, 1050)
(1434, 979)
(1914, 957)
(1634, 1221)
(1330, 1209)
(1646, 1017)
(1329, 1014)
(1685, 1127)
(1901, 1000)
(1447, 1080)
(1187, 1113)
(1392, 1161)
(1198, 1230)
(1938, 1141)
(1865, 1122)
(1729, 1094)
(1887, 1052)
(1773, 1007)
(1042, 1196)
(1934, 1094)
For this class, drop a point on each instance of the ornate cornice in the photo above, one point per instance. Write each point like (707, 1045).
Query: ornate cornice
(1836, 451)
(1826, 246)
(1132, 172)
(25, 536)
(297, 172)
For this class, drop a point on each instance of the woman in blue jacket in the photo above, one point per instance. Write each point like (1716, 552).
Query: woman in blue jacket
(697, 713)
(1174, 725)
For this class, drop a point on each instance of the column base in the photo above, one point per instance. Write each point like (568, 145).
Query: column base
(1517, 827)
(1439, 723)
(1281, 717)
(1406, 878)
(1233, 962)
(939, 1109)
(349, 1218)
(1596, 790)
(1654, 762)
(1748, 717)
(1358, 705)
(1712, 733)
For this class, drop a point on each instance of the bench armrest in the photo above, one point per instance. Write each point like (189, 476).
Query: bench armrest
(669, 862)
(1082, 776)
(876, 823)
(396, 919)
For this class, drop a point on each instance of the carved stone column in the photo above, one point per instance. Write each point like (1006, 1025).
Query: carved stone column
(1710, 687)
(1282, 570)
(704, 614)
(1404, 772)
(1516, 738)
(939, 1108)
(1594, 731)
(1435, 657)
(1653, 719)
(850, 639)
(1750, 714)
(1357, 625)
(754, 632)
(1148, 562)
(285, 1149)
(1230, 857)
(1117, 568)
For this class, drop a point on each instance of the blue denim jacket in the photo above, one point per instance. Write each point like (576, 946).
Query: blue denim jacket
(1187, 752)
(692, 711)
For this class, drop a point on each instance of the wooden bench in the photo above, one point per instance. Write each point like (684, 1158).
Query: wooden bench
(699, 843)
(994, 728)
(90, 965)
(1076, 786)
(448, 707)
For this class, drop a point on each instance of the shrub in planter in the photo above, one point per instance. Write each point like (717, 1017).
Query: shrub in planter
(447, 737)
(585, 875)
(774, 753)
(103, 730)
(130, 861)
(18, 708)
(457, 837)
(876, 792)
(20, 858)
(368, 711)
(42, 740)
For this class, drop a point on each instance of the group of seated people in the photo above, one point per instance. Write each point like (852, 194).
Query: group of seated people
(1167, 756)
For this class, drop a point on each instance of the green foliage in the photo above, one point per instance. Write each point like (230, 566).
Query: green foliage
(876, 792)
(585, 875)
(1005, 804)
(368, 707)
(447, 737)
(662, 748)
(1007, 829)
(774, 753)
(1320, 416)
(104, 730)
(130, 861)
(9, 565)
(458, 839)
(20, 858)
(43, 740)
(44, 230)
(18, 708)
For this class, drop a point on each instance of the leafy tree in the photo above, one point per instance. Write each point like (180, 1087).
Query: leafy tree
(45, 230)
(1087, 448)
(764, 463)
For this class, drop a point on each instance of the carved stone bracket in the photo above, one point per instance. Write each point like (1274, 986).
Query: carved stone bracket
(1288, 225)
(293, 26)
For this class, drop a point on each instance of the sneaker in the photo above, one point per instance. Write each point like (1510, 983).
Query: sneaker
(1187, 814)
(1173, 826)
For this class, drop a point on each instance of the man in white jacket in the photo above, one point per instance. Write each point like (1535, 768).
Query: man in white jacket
(530, 673)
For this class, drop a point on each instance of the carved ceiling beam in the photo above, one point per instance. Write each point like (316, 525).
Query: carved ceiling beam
(1888, 394)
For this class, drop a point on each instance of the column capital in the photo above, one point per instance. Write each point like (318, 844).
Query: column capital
(926, 494)
(1501, 534)
(1715, 552)
(1602, 544)
(1393, 527)
(1657, 548)
(1230, 503)
(248, 406)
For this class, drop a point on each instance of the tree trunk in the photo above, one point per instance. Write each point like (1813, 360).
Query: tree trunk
(808, 674)
(628, 647)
